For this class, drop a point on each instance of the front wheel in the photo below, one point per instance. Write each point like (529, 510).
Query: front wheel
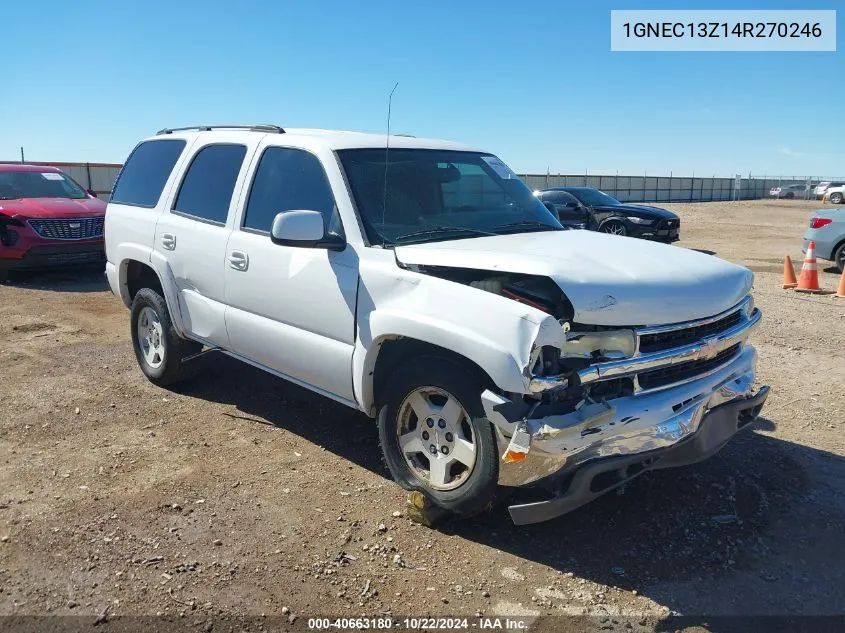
(435, 438)
(836, 198)
(614, 227)
(159, 350)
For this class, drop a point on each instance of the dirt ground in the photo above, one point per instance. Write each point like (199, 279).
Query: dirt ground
(239, 494)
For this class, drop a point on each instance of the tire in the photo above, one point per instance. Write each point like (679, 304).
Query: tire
(839, 257)
(159, 350)
(614, 227)
(4, 275)
(836, 198)
(789, 196)
(426, 384)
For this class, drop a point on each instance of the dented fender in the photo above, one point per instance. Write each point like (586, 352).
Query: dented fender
(496, 333)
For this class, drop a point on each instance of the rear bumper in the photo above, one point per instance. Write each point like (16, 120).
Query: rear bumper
(575, 456)
(53, 255)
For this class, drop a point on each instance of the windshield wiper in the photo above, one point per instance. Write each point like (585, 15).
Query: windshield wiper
(527, 224)
(440, 229)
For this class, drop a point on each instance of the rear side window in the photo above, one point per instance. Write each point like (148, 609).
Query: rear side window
(207, 188)
(286, 180)
(146, 171)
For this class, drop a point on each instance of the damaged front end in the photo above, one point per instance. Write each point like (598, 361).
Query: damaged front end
(606, 404)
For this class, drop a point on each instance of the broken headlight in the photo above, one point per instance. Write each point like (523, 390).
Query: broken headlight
(608, 345)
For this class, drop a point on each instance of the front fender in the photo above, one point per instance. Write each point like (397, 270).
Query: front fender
(494, 332)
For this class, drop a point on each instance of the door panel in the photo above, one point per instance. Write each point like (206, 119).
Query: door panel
(293, 310)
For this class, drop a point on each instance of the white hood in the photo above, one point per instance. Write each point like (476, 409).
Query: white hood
(610, 280)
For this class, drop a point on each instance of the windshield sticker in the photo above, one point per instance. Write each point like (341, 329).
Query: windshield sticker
(49, 175)
(502, 170)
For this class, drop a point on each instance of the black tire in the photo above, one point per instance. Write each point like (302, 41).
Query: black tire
(614, 227)
(789, 196)
(836, 198)
(176, 349)
(839, 257)
(4, 275)
(479, 491)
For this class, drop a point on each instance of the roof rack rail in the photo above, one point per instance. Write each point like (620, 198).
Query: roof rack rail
(405, 135)
(262, 127)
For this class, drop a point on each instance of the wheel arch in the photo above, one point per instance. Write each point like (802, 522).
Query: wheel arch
(136, 272)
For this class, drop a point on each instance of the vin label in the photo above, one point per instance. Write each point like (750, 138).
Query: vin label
(723, 30)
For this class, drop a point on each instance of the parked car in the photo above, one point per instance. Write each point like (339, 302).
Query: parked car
(835, 194)
(788, 191)
(47, 219)
(821, 189)
(429, 289)
(585, 207)
(827, 230)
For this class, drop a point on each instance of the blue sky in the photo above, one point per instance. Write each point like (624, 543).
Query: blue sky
(534, 82)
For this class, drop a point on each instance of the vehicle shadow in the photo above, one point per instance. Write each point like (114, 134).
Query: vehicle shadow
(756, 529)
(83, 279)
(271, 400)
(832, 270)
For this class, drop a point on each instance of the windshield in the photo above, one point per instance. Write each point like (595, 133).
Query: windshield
(433, 195)
(34, 184)
(593, 197)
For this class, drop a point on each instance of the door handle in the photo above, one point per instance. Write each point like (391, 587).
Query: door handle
(168, 241)
(238, 260)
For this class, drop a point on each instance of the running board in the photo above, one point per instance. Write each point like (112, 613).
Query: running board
(200, 354)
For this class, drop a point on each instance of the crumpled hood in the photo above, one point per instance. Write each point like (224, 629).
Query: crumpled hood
(38, 208)
(610, 280)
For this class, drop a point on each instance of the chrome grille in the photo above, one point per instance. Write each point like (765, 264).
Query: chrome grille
(685, 371)
(675, 338)
(69, 229)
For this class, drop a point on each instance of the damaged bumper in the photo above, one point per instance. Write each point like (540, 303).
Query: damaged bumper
(579, 455)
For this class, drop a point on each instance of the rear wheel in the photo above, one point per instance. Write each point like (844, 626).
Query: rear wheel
(159, 350)
(614, 227)
(836, 198)
(839, 257)
(789, 196)
(435, 438)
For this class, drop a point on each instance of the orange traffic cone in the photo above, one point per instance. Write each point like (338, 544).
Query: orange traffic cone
(808, 280)
(789, 280)
(841, 291)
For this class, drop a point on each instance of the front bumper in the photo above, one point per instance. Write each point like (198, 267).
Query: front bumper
(54, 255)
(577, 456)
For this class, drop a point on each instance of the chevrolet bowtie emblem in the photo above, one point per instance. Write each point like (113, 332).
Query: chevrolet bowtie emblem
(709, 348)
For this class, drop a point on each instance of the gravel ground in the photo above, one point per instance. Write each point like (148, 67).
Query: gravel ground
(242, 495)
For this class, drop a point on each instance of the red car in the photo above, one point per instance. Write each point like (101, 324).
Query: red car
(47, 219)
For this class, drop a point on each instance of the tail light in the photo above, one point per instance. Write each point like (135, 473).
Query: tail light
(817, 223)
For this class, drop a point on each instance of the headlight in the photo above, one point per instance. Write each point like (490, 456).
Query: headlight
(613, 344)
(637, 220)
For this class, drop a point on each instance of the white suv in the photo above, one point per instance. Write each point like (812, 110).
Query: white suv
(421, 282)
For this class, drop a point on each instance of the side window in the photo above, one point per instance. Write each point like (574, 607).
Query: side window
(289, 179)
(146, 171)
(206, 190)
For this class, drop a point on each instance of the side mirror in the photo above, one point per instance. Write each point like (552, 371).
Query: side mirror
(91, 193)
(304, 229)
(552, 209)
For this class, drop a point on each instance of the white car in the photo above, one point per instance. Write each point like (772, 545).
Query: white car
(420, 282)
(835, 194)
(822, 188)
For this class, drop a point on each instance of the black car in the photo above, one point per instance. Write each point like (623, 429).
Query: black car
(588, 208)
